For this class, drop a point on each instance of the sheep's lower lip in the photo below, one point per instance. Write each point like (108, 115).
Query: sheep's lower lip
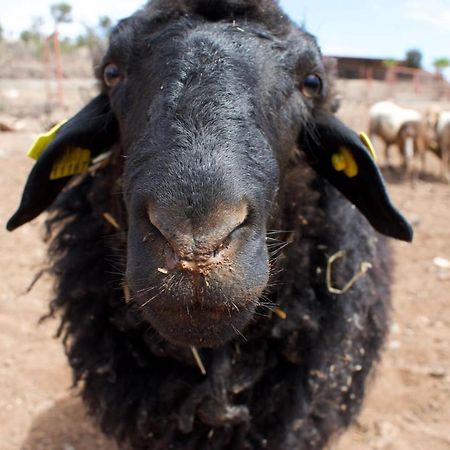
(191, 309)
(199, 325)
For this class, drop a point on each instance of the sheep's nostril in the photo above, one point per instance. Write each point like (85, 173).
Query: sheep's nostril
(202, 238)
(174, 234)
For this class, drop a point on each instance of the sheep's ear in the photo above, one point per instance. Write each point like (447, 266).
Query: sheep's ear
(347, 161)
(87, 134)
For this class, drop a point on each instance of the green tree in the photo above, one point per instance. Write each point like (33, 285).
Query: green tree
(33, 36)
(105, 24)
(390, 62)
(1, 33)
(96, 38)
(81, 40)
(441, 63)
(61, 12)
(413, 58)
(29, 37)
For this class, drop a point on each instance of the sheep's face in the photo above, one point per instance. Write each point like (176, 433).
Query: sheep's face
(208, 116)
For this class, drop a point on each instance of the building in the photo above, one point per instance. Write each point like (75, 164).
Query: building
(360, 68)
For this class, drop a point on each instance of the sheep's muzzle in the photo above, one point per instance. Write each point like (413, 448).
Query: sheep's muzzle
(199, 286)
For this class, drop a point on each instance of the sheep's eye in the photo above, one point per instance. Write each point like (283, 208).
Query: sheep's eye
(311, 86)
(112, 75)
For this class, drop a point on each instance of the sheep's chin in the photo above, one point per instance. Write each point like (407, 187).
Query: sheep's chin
(199, 326)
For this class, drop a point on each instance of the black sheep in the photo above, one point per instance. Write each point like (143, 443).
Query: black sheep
(171, 253)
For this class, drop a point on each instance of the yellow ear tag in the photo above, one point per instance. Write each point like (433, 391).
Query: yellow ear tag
(343, 161)
(74, 160)
(368, 144)
(43, 140)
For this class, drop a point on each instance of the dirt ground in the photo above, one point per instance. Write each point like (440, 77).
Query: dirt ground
(408, 402)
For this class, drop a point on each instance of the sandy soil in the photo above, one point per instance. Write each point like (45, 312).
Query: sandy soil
(407, 407)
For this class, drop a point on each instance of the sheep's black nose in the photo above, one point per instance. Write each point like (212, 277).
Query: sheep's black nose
(201, 240)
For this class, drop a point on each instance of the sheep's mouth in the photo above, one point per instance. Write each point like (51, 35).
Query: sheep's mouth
(198, 321)
(189, 307)
(199, 326)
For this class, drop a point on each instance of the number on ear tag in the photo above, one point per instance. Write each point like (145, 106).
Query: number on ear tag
(72, 161)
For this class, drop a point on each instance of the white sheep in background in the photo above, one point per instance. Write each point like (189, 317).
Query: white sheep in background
(396, 125)
(438, 138)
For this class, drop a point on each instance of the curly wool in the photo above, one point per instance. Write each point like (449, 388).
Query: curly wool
(286, 384)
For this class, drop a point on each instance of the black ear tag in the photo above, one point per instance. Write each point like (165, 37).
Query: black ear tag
(346, 160)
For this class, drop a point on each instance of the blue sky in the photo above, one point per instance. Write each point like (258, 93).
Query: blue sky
(374, 28)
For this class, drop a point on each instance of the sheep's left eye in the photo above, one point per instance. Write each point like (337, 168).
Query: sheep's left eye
(312, 86)
(112, 75)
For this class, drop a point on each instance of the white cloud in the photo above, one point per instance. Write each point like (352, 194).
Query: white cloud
(435, 13)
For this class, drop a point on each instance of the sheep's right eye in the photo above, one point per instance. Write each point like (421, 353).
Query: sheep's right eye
(112, 75)
(312, 86)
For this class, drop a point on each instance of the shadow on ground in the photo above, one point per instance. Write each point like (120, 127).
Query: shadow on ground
(65, 426)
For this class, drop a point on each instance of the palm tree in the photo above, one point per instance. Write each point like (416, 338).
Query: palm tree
(440, 64)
